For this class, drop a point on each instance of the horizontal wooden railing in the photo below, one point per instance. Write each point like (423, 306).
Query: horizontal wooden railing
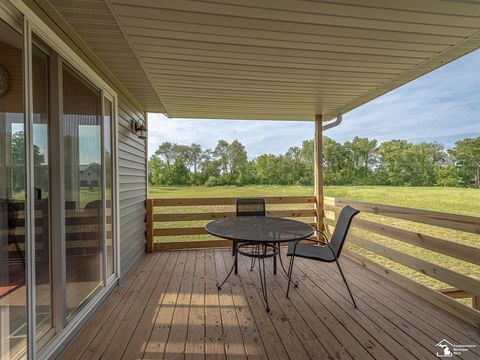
(463, 285)
(227, 208)
(371, 223)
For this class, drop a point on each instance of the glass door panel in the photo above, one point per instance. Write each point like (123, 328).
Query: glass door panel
(107, 145)
(13, 301)
(84, 239)
(40, 90)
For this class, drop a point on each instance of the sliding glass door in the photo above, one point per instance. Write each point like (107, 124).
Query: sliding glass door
(57, 191)
(13, 293)
(109, 186)
(41, 178)
(84, 193)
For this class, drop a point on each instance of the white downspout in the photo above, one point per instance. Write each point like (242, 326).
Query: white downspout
(333, 123)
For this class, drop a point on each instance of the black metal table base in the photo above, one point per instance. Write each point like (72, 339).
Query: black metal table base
(260, 255)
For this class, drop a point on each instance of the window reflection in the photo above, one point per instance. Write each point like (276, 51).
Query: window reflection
(107, 128)
(40, 137)
(13, 315)
(83, 189)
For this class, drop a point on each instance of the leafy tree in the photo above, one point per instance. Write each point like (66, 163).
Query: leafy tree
(268, 169)
(18, 150)
(335, 161)
(195, 156)
(391, 169)
(362, 156)
(177, 174)
(155, 170)
(166, 153)
(421, 163)
(359, 161)
(18, 159)
(467, 154)
(236, 157)
(221, 155)
(448, 176)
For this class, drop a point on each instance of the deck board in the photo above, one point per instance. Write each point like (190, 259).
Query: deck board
(169, 307)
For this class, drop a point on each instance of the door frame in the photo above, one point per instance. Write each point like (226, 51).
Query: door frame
(32, 24)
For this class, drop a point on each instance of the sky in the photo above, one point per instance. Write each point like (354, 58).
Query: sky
(442, 106)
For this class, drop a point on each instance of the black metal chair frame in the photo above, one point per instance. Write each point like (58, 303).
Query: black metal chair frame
(260, 253)
(254, 251)
(335, 257)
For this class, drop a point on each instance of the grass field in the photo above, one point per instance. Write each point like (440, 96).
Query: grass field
(450, 200)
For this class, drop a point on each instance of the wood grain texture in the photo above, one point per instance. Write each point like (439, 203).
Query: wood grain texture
(442, 301)
(171, 308)
(435, 271)
(446, 247)
(318, 172)
(465, 223)
(231, 201)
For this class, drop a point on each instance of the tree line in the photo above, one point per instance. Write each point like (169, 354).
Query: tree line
(360, 161)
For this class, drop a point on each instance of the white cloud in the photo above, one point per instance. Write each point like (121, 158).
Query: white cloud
(258, 136)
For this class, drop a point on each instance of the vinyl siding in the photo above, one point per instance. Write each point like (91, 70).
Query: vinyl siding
(132, 187)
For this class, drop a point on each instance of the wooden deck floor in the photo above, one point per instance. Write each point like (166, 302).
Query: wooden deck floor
(169, 308)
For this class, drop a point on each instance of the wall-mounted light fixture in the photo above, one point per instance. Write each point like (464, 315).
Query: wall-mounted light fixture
(140, 129)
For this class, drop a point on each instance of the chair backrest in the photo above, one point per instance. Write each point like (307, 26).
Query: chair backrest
(341, 228)
(250, 207)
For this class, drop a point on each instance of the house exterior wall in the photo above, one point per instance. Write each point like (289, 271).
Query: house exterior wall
(132, 170)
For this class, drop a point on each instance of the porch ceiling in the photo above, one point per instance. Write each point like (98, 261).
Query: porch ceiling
(279, 59)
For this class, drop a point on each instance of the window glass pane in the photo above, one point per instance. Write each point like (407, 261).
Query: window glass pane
(43, 284)
(83, 189)
(13, 315)
(107, 130)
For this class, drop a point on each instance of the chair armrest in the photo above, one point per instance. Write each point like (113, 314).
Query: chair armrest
(324, 243)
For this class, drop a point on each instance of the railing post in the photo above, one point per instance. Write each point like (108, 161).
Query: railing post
(476, 302)
(318, 173)
(150, 225)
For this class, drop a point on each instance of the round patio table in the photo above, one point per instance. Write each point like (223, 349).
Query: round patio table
(264, 232)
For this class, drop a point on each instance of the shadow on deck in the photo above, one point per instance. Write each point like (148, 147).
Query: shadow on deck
(169, 307)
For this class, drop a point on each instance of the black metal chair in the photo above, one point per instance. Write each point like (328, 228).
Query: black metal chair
(329, 251)
(250, 207)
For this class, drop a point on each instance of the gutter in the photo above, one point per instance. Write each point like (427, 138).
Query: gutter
(332, 124)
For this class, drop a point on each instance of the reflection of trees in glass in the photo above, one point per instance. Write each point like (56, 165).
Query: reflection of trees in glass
(18, 150)
(17, 153)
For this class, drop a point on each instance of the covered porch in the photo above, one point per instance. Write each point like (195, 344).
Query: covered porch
(311, 61)
(269, 60)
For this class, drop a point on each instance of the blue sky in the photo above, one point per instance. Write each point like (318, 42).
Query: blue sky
(443, 105)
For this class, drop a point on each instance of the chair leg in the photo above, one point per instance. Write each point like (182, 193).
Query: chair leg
(236, 261)
(255, 252)
(290, 270)
(345, 281)
(234, 247)
(275, 265)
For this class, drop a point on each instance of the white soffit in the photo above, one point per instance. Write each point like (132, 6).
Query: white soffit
(284, 59)
(95, 24)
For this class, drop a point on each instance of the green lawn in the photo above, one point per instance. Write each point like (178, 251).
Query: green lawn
(451, 200)
(226, 191)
